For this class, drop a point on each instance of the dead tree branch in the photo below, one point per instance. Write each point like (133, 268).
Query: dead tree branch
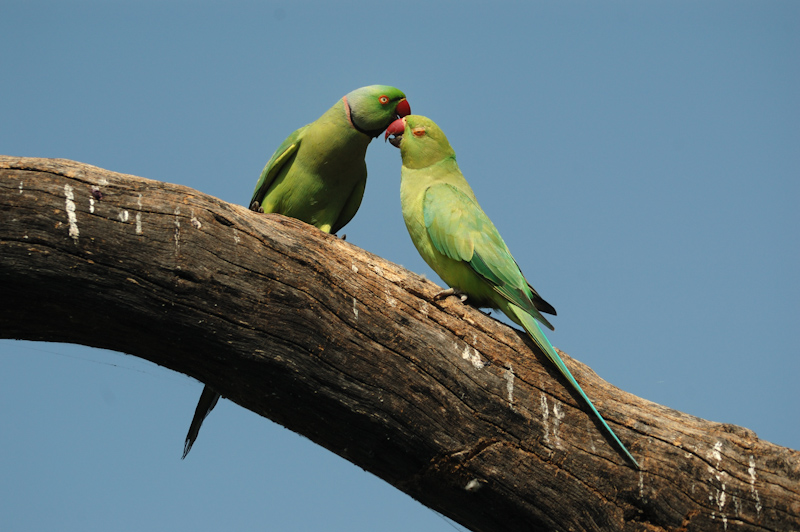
(337, 344)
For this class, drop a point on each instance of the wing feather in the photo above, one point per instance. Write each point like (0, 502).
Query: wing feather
(282, 157)
(460, 230)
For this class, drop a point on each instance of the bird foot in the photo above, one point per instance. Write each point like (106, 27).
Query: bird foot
(256, 206)
(450, 292)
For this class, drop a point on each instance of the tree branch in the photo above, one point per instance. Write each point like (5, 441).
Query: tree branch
(438, 399)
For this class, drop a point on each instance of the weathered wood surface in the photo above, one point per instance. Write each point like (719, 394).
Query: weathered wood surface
(337, 344)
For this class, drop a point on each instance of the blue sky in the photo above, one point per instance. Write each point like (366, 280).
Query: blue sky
(641, 160)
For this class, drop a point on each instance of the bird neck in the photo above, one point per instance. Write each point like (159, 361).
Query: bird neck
(339, 131)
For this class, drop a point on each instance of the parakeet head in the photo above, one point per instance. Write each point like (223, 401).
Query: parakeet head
(371, 109)
(421, 142)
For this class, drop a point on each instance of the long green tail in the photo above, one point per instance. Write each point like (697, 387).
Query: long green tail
(535, 332)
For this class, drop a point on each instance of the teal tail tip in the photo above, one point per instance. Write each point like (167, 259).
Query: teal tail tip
(621, 446)
(632, 460)
(537, 335)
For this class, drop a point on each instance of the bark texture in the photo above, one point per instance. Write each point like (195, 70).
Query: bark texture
(438, 399)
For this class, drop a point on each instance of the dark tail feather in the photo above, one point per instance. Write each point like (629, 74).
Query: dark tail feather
(208, 400)
(540, 304)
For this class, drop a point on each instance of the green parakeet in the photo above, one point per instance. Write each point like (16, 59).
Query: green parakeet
(461, 244)
(318, 175)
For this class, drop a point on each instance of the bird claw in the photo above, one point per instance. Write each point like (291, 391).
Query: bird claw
(444, 293)
(256, 206)
(450, 292)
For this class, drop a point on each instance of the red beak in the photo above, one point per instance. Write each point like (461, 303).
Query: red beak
(397, 127)
(403, 109)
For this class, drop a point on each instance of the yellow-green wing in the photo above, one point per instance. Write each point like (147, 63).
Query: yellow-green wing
(281, 159)
(460, 230)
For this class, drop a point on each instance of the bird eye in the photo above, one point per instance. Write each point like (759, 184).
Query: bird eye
(383, 99)
(418, 131)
